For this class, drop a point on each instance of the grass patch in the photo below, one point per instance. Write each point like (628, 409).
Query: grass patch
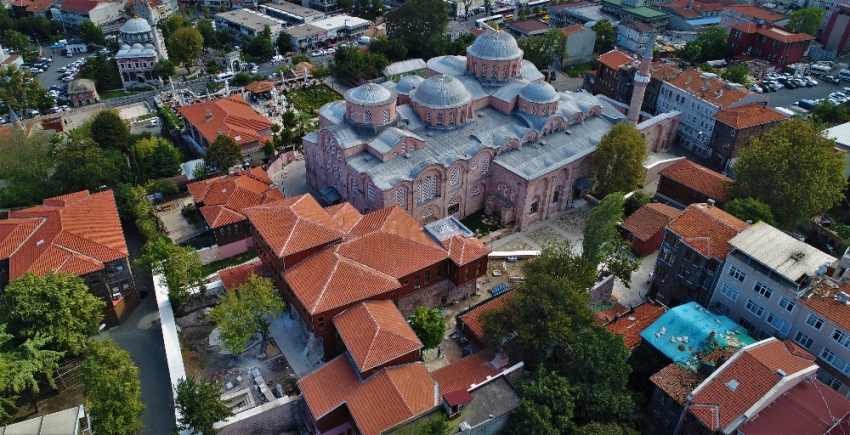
(477, 224)
(112, 94)
(577, 70)
(148, 116)
(215, 266)
(311, 99)
(171, 118)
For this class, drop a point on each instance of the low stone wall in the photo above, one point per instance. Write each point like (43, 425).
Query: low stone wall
(432, 296)
(208, 255)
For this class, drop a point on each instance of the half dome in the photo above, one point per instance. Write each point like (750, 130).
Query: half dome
(408, 83)
(441, 92)
(539, 92)
(136, 25)
(370, 94)
(495, 46)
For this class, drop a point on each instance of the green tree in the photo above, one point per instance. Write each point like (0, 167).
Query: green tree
(180, 265)
(16, 40)
(20, 91)
(369, 9)
(260, 46)
(24, 368)
(103, 72)
(428, 326)
(597, 428)
(163, 185)
(793, 169)
(164, 69)
(605, 37)
(637, 200)
(127, 196)
(537, 50)
(91, 33)
(345, 5)
(416, 21)
(208, 33)
(56, 305)
(602, 246)
(351, 64)
(112, 389)
(710, 44)
(110, 131)
(806, 20)
(200, 406)
(268, 149)
(26, 167)
(6, 21)
(320, 71)
(185, 46)
(283, 43)
(247, 311)
(288, 118)
(825, 112)
(547, 407)
(618, 159)
(223, 153)
(82, 165)
(171, 25)
(749, 209)
(392, 49)
(298, 58)
(165, 160)
(737, 74)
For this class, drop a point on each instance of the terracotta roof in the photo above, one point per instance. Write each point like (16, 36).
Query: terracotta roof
(631, 324)
(569, 30)
(235, 276)
(572, 5)
(699, 178)
(649, 220)
(606, 316)
(225, 198)
(232, 116)
(755, 12)
(707, 229)
(34, 6)
(472, 370)
(472, 318)
(259, 87)
(374, 332)
(797, 350)
(530, 25)
(74, 233)
(710, 88)
(294, 224)
(456, 398)
(329, 386)
(464, 250)
(744, 380)
(823, 303)
(677, 382)
(773, 32)
(748, 116)
(345, 215)
(615, 59)
(663, 71)
(809, 407)
(79, 5)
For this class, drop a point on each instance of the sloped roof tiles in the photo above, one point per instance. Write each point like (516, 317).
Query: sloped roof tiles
(649, 220)
(374, 332)
(707, 229)
(699, 178)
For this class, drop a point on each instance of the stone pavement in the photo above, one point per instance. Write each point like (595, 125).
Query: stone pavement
(290, 337)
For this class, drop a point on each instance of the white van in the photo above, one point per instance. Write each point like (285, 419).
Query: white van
(820, 69)
(223, 77)
(844, 74)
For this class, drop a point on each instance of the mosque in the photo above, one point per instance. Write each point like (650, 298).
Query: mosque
(141, 48)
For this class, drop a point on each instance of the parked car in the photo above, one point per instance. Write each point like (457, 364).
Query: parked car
(756, 88)
(811, 81)
(153, 122)
(67, 79)
(830, 79)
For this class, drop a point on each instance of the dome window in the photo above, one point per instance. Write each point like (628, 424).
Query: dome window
(367, 117)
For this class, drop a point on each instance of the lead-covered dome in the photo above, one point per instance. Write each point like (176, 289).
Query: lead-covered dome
(539, 92)
(495, 46)
(370, 94)
(408, 83)
(441, 92)
(136, 25)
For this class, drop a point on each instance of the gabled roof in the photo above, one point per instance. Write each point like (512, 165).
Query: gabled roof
(782, 254)
(755, 12)
(823, 303)
(776, 33)
(649, 220)
(699, 178)
(463, 374)
(707, 230)
(569, 30)
(294, 224)
(809, 407)
(632, 323)
(345, 215)
(464, 250)
(374, 332)
(225, 198)
(615, 59)
(232, 116)
(677, 382)
(472, 319)
(709, 87)
(663, 71)
(79, 5)
(532, 25)
(748, 116)
(235, 276)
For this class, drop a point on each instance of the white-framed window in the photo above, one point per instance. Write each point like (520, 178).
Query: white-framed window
(485, 166)
(841, 338)
(803, 340)
(814, 321)
(738, 274)
(370, 192)
(754, 307)
(787, 304)
(399, 196)
(835, 361)
(782, 326)
(763, 290)
(454, 178)
(830, 380)
(729, 291)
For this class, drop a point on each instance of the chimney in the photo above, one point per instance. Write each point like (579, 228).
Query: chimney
(710, 203)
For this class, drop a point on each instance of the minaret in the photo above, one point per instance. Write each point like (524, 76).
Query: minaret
(641, 79)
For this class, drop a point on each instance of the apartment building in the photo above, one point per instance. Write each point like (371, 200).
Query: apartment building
(777, 45)
(734, 127)
(745, 14)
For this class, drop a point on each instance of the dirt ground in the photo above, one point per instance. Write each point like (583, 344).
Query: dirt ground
(49, 401)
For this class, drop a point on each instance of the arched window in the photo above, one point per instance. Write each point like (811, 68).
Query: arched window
(533, 110)
(474, 165)
(403, 147)
(451, 118)
(454, 206)
(556, 196)
(428, 212)
(370, 192)
(399, 196)
(354, 187)
(367, 117)
(506, 192)
(485, 166)
(439, 118)
(428, 117)
(484, 70)
(504, 71)
(523, 109)
(499, 190)
(476, 191)
(543, 110)
(454, 179)
(351, 113)
(386, 116)
(535, 205)
(328, 165)
(495, 73)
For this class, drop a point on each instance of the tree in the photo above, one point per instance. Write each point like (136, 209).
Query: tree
(749, 209)
(284, 43)
(164, 69)
(428, 326)
(268, 149)
(16, 40)
(345, 5)
(185, 46)
(91, 33)
(298, 58)
(710, 44)
(247, 311)
(288, 118)
(165, 160)
(416, 21)
(369, 9)
(223, 153)
(638, 199)
(20, 91)
(208, 33)
(618, 159)
(605, 37)
(537, 50)
(737, 74)
(260, 46)
(351, 64)
(467, 5)
(110, 131)
(101, 70)
(793, 169)
(603, 247)
(393, 49)
(199, 405)
(163, 186)
(597, 428)
(180, 265)
(320, 71)
(82, 165)
(112, 389)
(825, 112)
(24, 368)
(26, 167)
(806, 20)
(56, 305)
(547, 407)
(171, 25)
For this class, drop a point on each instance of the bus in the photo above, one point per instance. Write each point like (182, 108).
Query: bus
(538, 3)
(503, 11)
(483, 23)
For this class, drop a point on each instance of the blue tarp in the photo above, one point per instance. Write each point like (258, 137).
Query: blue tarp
(705, 21)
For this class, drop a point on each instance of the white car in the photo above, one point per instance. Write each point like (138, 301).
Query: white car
(315, 54)
(2, 121)
(153, 122)
(65, 107)
(61, 70)
(254, 70)
(67, 79)
(330, 51)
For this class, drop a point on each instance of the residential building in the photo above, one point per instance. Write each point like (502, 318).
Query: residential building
(248, 23)
(291, 13)
(78, 233)
(231, 116)
(634, 321)
(604, 81)
(777, 45)
(521, 29)
(764, 275)
(645, 227)
(82, 92)
(691, 16)
(673, 384)
(29, 8)
(469, 322)
(699, 95)
(151, 11)
(455, 30)
(222, 200)
(685, 182)
(837, 32)
(6, 59)
(72, 421)
(580, 40)
(326, 260)
(821, 326)
(692, 254)
(734, 127)
(142, 46)
(343, 27)
(582, 12)
(634, 35)
(326, 6)
(636, 10)
(73, 12)
(307, 36)
(658, 74)
(745, 14)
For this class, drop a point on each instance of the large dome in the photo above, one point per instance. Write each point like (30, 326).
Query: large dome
(441, 92)
(539, 92)
(495, 46)
(408, 83)
(369, 94)
(136, 25)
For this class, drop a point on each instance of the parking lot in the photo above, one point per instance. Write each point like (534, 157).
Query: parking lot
(787, 97)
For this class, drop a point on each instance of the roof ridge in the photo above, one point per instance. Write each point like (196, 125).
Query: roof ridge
(395, 387)
(61, 246)
(327, 282)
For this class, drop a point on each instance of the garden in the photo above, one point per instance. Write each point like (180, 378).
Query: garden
(311, 99)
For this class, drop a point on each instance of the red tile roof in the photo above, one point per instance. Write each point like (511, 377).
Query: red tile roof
(530, 25)
(463, 251)
(225, 198)
(823, 303)
(649, 220)
(604, 317)
(798, 350)
(456, 398)
(294, 224)
(472, 370)
(235, 276)
(631, 324)
(707, 229)
(472, 319)
(569, 30)
(809, 407)
(34, 6)
(663, 71)
(75, 233)
(232, 116)
(748, 116)
(770, 31)
(709, 88)
(345, 215)
(79, 5)
(755, 12)
(374, 332)
(329, 386)
(677, 382)
(615, 59)
(699, 178)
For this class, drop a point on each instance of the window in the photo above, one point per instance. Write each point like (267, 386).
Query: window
(370, 192)
(763, 290)
(787, 304)
(454, 206)
(485, 166)
(321, 323)
(428, 117)
(830, 380)
(705, 281)
(427, 276)
(697, 260)
(367, 117)
(535, 205)
(416, 282)
(454, 178)
(688, 254)
(711, 266)
(755, 308)
(803, 340)
(729, 291)
(738, 274)
(749, 326)
(399, 196)
(439, 118)
(451, 118)
(841, 338)
(815, 322)
(484, 70)
(556, 195)
(440, 271)
(835, 361)
(475, 191)
(722, 309)
(386, 116)
(781, 326)
(473, 165)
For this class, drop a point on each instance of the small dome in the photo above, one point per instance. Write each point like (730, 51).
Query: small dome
(539, 92)
(138, 46)
(149, 45)
(495, 46)
(408, 83)
(369, 94)
(125, 47)
(441, 92)
(136, 25)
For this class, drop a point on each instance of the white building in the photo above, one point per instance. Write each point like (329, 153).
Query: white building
(632, 34)
(73, 12)
(249, 23)
(580, 40)
(343, 27)
(291, 13)
(141, 48)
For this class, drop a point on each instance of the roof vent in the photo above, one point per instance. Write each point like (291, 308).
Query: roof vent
(237, 138)
(710, 203)
(407, 155)
(797, 256)
(223, 190)
(209, 116)
(842, 297)
(781, 373)
(733, 384)
(39, 243)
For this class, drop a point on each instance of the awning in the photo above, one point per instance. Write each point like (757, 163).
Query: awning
(330, 195)
(583, 183)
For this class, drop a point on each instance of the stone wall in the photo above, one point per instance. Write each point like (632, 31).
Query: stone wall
(432, 296)
(602, 291)
(208, 255)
